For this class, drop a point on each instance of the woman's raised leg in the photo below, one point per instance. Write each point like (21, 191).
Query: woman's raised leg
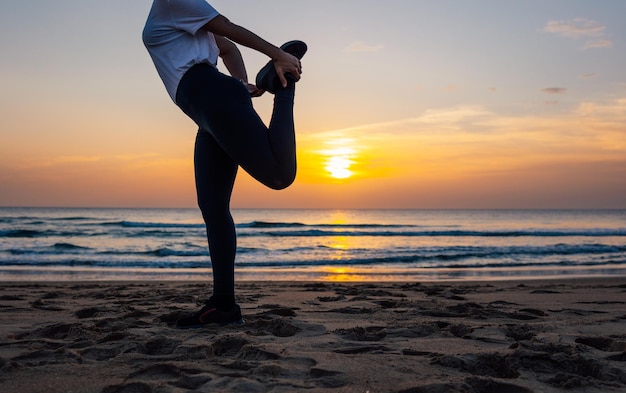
(222, 105)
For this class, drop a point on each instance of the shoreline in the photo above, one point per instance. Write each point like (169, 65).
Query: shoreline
(522, 335)
(493, 280)
(322, 274)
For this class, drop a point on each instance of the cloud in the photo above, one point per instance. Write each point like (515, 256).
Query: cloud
(446, 119)
(588, 76)
(615, 110)
(592, 129)
(575, 28)
(581, 28)
(554, 90)
(604, 43)
(58, 161)
(77, 161)
(360, 46)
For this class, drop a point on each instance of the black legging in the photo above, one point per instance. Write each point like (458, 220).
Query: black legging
(232, 134)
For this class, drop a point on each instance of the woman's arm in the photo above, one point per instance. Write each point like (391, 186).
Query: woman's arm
(231, 56)
(283, 61)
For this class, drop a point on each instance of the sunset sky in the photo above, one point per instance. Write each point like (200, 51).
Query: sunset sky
(402, 104)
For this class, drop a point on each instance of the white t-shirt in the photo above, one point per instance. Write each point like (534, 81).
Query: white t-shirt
(174, 40)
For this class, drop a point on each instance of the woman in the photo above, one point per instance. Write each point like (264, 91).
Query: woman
(184, 39)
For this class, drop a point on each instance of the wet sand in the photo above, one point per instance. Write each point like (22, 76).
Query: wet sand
(508, 336)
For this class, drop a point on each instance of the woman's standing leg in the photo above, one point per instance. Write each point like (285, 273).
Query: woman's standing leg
(215, 175)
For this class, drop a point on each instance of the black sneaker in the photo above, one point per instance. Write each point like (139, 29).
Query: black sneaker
(267, 79)
(210, 315)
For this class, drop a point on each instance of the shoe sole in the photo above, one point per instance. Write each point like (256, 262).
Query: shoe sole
(295, 48)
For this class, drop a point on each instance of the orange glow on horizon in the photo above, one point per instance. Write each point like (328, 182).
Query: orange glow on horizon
(459, 157)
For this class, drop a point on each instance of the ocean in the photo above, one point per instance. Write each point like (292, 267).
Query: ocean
(71, 244)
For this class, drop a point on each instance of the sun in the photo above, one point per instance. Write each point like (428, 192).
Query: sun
(338, 167)
(339, 158)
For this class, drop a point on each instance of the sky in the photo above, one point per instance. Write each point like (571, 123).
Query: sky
(402, 104)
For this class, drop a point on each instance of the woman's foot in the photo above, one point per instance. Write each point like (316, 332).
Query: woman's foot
(267, 79)
(211, 315)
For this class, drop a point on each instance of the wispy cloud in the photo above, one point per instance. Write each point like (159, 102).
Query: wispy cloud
(360, 46)
(615, 110)
(554, 90)
(591, 128)
(466, 118)
(588, 76)
(604, 43)
(581, 28)
(76, 161)
(58, 161)
(575, 28)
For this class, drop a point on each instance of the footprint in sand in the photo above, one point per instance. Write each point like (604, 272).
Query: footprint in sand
(607, 344)
(134, 387)
(90, 312)
(353, 310)
(519, 332)
(354, 350)
(370, 333)
(160, 345)
(278, 327)
(328, 378)
(471, 385)
(486, 364)
(184, 378)
(228, 345)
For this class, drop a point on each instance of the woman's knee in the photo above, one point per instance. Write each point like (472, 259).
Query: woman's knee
(212, 211)
(281, 182)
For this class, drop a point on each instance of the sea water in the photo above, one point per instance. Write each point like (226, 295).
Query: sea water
(344, 245)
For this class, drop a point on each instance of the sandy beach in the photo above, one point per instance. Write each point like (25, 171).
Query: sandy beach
(507, 336)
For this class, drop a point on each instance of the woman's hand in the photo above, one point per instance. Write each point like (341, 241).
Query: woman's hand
(286, 63)
(253, 90)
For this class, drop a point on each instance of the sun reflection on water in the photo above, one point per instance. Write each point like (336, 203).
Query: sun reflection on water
(343, 274)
